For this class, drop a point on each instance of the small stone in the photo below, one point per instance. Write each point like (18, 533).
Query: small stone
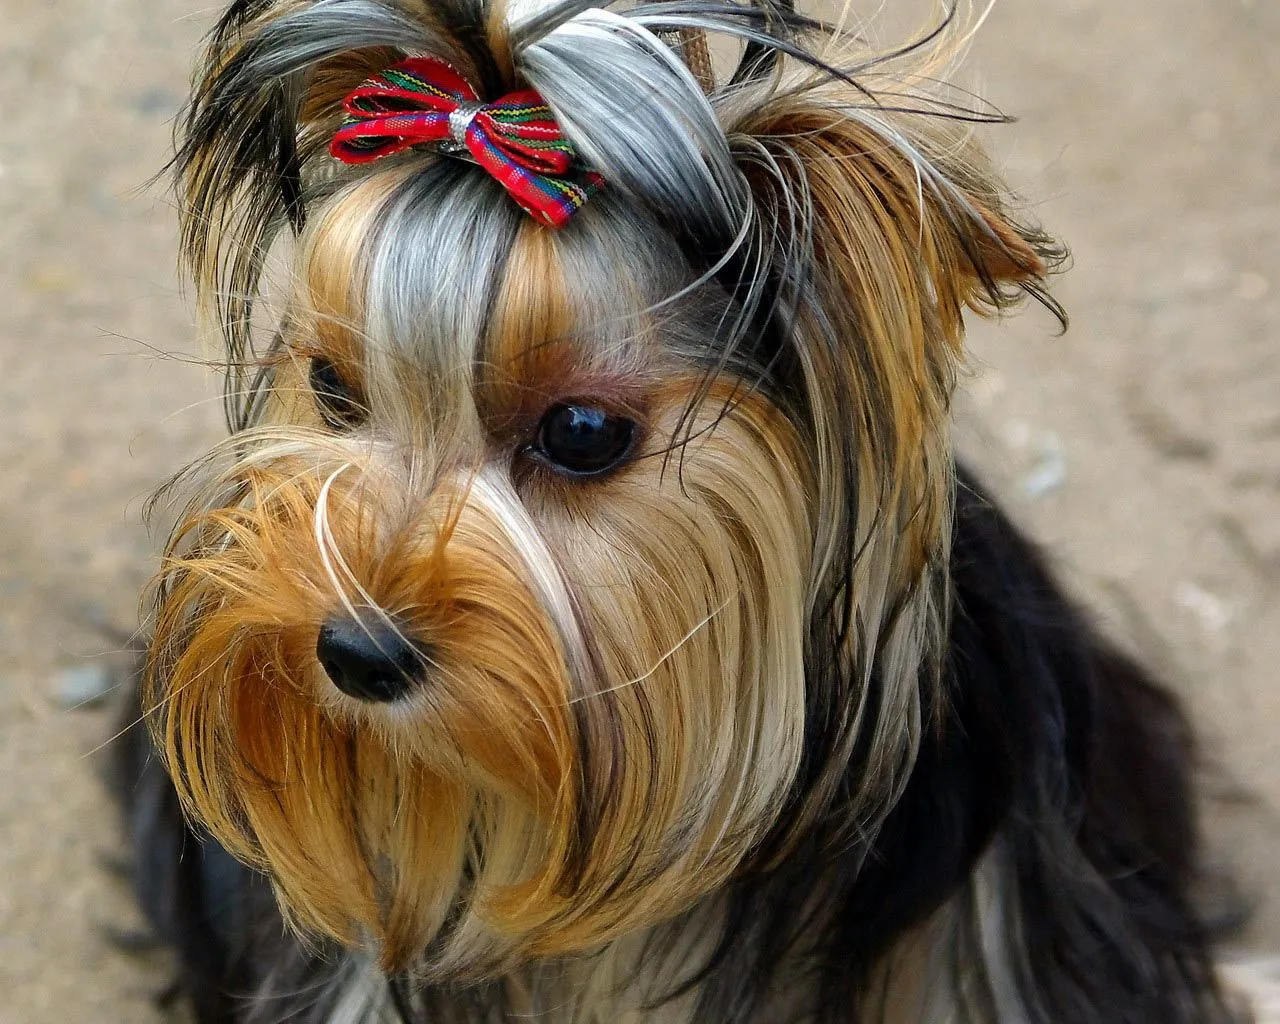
(83, 686)
(1212, 611)
(157, 101)
(1204, 274)
(1049, 470)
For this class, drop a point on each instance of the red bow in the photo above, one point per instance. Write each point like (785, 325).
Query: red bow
(516, 139)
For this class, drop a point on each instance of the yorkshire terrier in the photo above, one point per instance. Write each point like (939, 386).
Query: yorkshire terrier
(586, 620)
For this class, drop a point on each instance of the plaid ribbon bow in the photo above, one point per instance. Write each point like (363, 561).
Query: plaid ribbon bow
(516, 139)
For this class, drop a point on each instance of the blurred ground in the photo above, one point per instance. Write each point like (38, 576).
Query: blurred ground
(1143, 447)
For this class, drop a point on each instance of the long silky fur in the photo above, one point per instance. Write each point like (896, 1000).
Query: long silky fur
(1053, 750)
(810, 735)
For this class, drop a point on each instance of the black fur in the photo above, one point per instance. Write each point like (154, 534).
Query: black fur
(1052, 750)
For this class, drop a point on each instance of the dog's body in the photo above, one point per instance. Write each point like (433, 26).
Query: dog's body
(590, 624)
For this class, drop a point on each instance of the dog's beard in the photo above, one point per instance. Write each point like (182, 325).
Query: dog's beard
(611, 718)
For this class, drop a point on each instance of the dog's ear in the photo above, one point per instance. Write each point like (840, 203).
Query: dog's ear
(885, 228)
(909, 202)
(1006, 254)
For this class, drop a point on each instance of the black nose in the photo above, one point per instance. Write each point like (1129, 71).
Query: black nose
(370, 660)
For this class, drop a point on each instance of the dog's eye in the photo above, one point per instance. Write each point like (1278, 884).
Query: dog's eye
(335, 398)
(583, 440)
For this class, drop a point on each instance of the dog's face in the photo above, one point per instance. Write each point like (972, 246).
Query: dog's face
(498, 612)
(545, 590)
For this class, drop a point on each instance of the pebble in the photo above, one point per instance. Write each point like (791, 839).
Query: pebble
(84, 686)
(1042, 453)
(1212, 611)
(1048, 472)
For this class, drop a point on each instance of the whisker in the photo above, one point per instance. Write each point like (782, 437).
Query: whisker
(659, 663)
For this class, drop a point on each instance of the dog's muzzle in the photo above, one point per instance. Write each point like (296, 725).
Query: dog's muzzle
(370, 660)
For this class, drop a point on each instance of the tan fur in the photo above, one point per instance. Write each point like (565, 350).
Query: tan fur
(614, 717)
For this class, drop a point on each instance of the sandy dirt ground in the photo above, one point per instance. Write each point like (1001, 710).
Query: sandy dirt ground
(1143, 447)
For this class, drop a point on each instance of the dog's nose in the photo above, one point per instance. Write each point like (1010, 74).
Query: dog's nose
(370, 661)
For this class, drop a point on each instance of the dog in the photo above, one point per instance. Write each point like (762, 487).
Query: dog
(586, 619)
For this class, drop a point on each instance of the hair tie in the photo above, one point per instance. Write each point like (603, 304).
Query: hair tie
(516, 139)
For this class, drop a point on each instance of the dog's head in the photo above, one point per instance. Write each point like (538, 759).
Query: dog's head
(553, 578)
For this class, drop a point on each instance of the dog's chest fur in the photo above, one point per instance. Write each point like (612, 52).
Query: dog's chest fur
(915, 983)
